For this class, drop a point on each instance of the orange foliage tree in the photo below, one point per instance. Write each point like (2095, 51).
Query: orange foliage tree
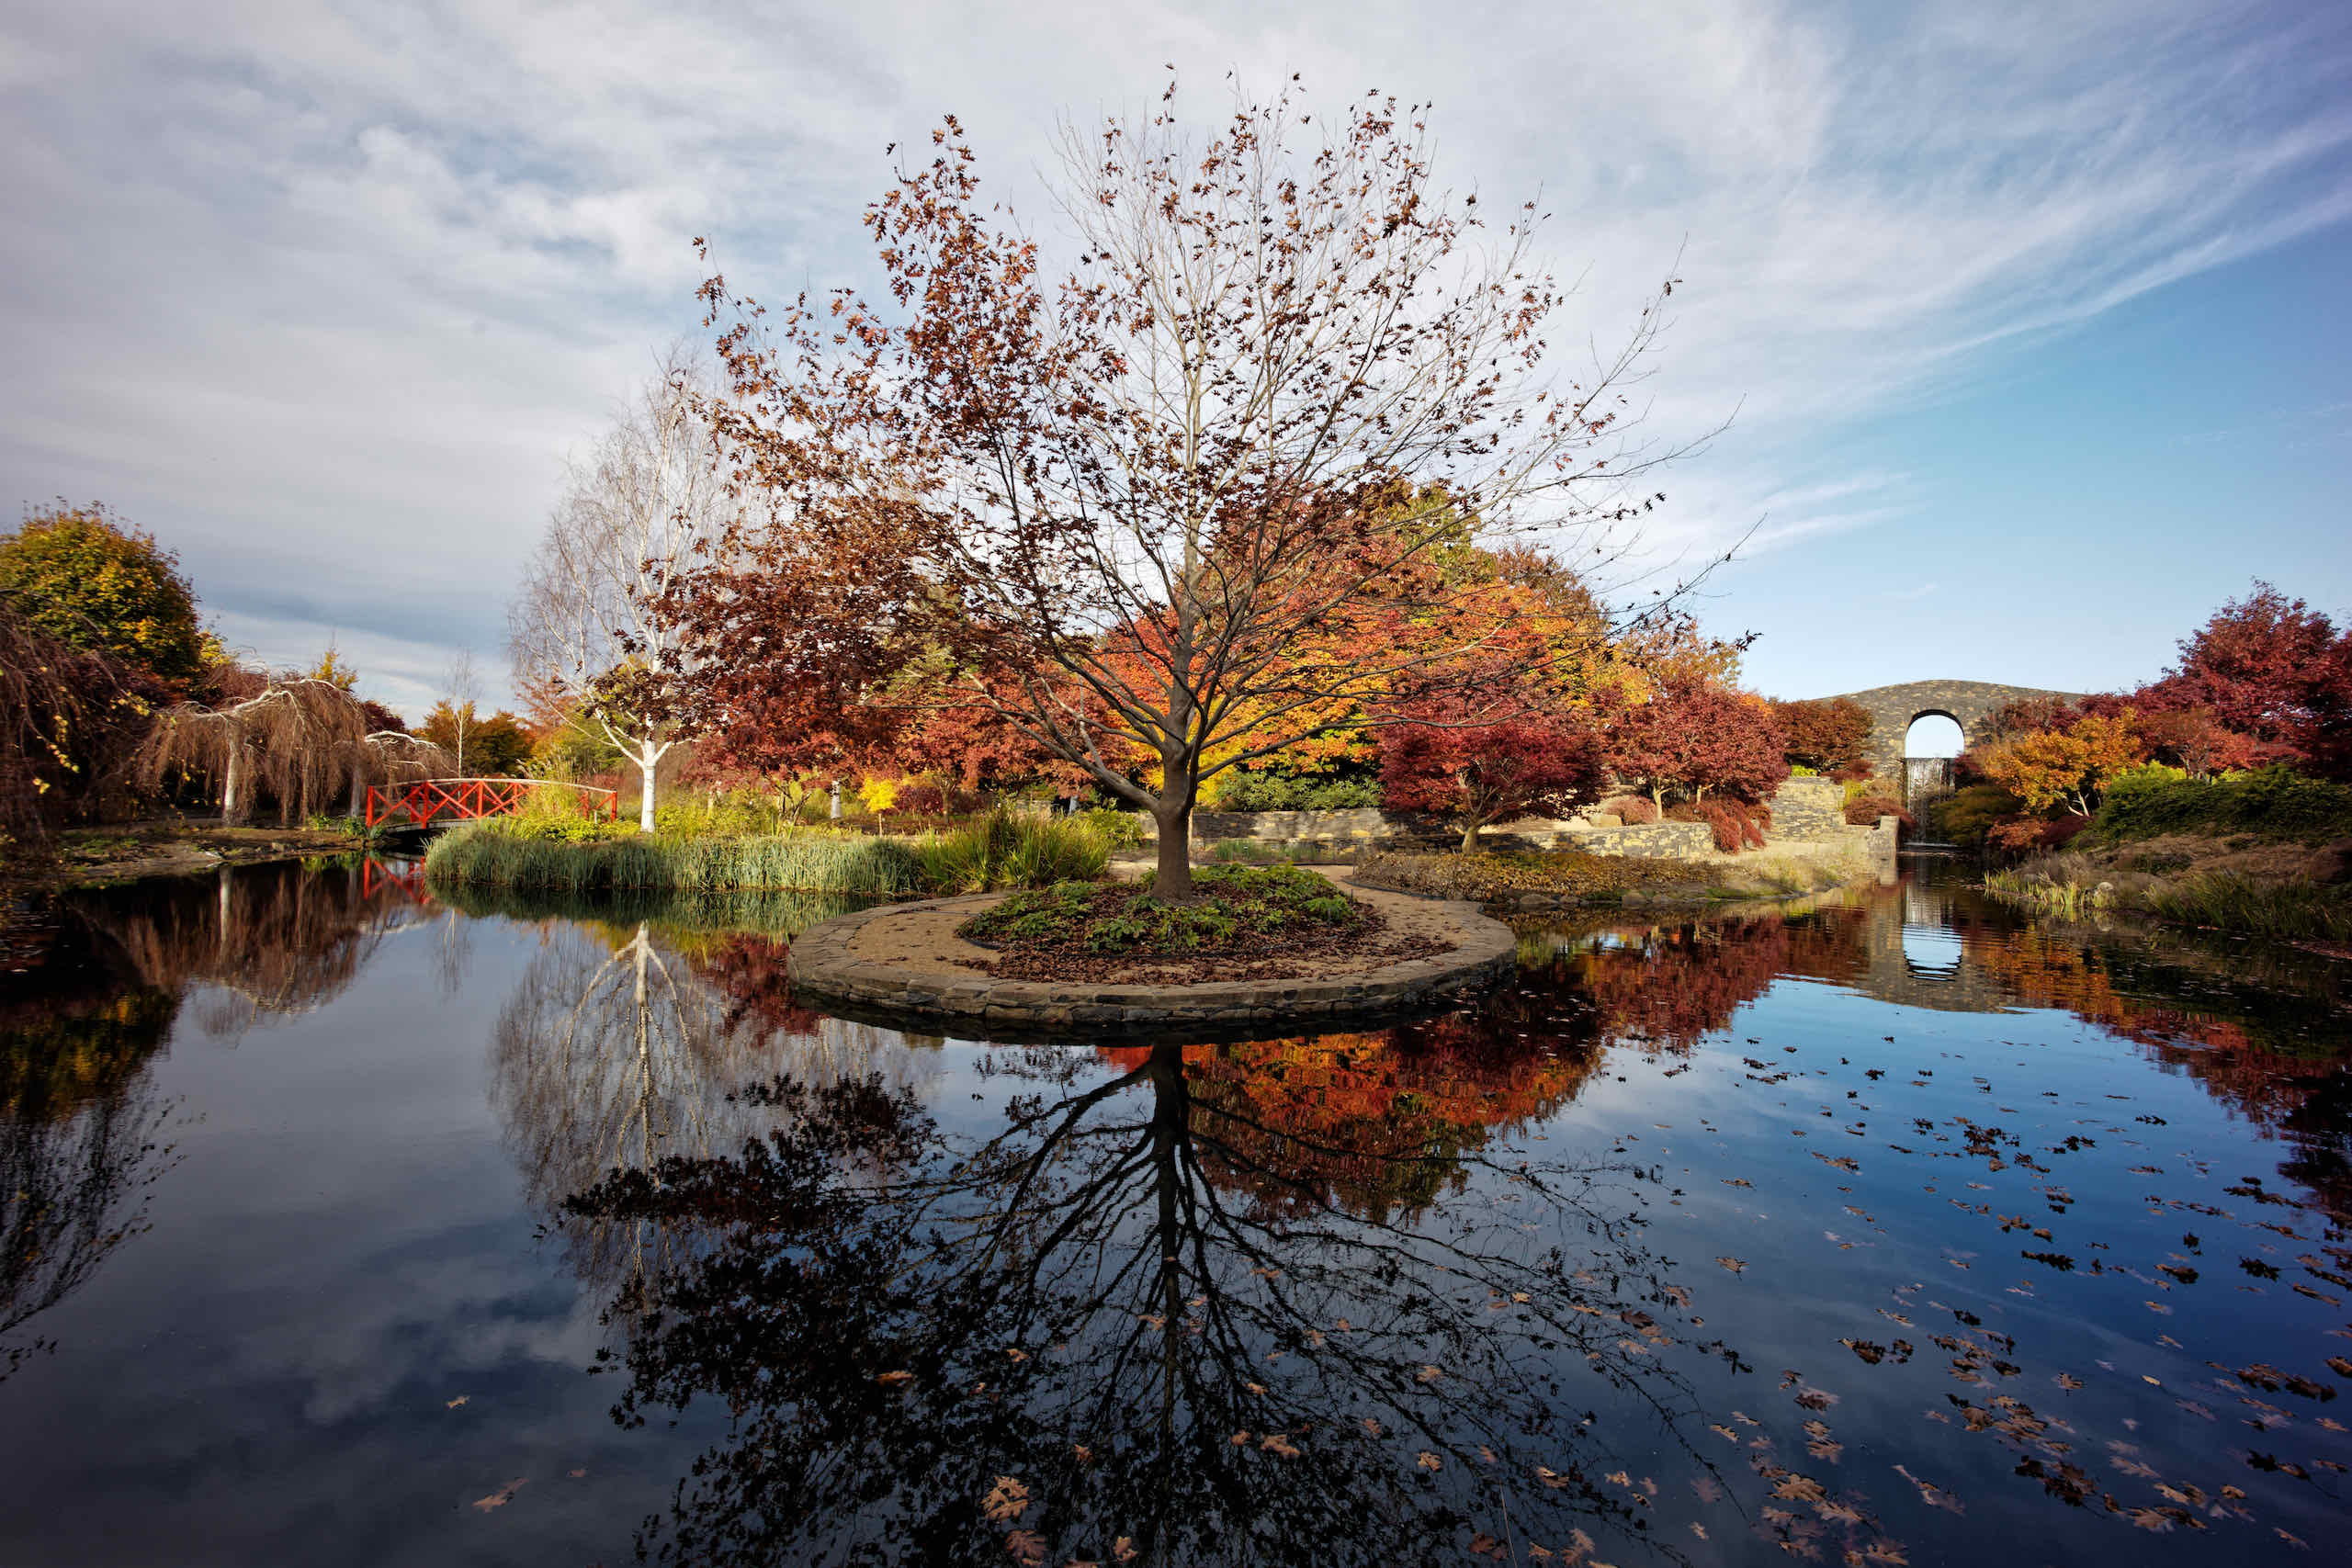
(1179, 500)
(2068, 768)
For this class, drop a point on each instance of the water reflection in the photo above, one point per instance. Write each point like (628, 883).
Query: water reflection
(624, 1046)
(1878, 1227)
(1166, 1314)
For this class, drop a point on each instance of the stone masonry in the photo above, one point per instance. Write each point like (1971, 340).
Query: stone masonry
(1969, 704)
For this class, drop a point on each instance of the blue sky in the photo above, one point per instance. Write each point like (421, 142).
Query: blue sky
(2031, 312)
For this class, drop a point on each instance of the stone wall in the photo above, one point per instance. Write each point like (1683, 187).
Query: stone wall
(1642, 840)
(1812, 811)
(1969, 704)
(1362, 825)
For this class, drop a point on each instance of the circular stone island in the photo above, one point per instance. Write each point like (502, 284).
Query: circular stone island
(904, 964)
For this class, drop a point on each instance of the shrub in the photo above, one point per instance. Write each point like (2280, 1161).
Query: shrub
(1117, 830)
(2272, 803)
(921, 797)
(1241, 905)
(1630, 809)
(1966, 815)
(1240, 790)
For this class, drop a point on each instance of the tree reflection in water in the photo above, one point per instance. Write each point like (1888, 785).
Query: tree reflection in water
(625, 1045)
(79, 1128)
(1221, 1306)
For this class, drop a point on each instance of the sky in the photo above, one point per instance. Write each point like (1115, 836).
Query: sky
(2029, 320)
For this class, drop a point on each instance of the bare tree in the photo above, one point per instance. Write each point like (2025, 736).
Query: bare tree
(587, 637)
(1191, 502)
(460, 692)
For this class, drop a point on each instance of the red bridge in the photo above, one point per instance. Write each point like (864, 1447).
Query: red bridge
(428, 801)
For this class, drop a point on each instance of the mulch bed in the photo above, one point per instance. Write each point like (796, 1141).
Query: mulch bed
(1251, 955)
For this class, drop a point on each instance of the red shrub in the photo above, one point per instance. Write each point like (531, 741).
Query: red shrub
(1629, 808)
(920, 798)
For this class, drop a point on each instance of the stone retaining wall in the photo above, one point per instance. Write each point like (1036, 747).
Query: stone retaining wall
(1810, 808)
(1641, 840)
(824, 965)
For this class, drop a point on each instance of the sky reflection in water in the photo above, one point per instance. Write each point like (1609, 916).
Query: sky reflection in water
(1894, 1232)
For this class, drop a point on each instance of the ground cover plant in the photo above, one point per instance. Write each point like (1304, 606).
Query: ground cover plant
(1242, 919)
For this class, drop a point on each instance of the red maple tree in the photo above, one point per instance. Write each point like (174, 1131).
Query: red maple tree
(1439, 759)
(1697, 735)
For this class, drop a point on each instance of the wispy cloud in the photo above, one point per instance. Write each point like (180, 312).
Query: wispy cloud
(326, 294)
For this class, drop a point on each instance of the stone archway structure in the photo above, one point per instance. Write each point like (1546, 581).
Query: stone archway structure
(1969, 704)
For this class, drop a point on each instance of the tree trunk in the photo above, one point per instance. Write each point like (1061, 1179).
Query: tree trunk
(1173, 877)
(1470, 836)
(358, 791)
(234, 788)
(647, 760)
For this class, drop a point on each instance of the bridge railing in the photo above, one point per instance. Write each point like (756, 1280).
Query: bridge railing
(452, 800)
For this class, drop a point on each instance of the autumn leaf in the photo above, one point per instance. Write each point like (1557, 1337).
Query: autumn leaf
(1276, 1443)
(1028, 1547)
(1734, 1264)
(1428, 1460)
(894, 1380)
(1006, 1501)
(503, 1497)
(1428, 1374)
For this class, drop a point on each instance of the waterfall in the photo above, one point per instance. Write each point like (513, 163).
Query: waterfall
(1924, 779)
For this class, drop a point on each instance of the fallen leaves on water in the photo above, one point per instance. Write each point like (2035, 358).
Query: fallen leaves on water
(1028, 1548)
(1428, 1460)
(1276, 1443)
(1734, 1264)
(1006, 1501)
(503, 1497)
(1931, 1493)
(894, 1380)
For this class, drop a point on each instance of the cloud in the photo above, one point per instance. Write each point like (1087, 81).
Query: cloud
(325, 295)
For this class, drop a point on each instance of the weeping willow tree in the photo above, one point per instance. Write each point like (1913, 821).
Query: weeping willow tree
(69, 720)
(301, 740)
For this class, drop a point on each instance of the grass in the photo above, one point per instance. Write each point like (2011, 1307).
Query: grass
(569, 858)
(1238, 904)
(488, 854)
(2072, 887)
(1006, 850)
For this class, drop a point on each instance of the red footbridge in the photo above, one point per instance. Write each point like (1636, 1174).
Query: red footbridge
(430, 801)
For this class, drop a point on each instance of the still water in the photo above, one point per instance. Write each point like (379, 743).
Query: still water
(344, 1226)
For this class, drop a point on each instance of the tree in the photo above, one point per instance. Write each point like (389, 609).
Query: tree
(1697, 735)
(2271, 670)
(452, 718)
(938, 1349)
(1830, 735)
(587, 630)
(70, 720)
(2065, 768)
(86, 579)
(1170, 502)
(1440, 760)
(301, 740)
(493, 747)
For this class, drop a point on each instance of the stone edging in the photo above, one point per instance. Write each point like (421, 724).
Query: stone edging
(822, 966)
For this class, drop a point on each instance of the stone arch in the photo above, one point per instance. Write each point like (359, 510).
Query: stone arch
(1969, 704)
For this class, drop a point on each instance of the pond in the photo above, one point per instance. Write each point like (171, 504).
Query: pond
(343, 1226)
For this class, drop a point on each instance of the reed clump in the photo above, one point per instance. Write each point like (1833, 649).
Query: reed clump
(1002, 849)
(2074, 887)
